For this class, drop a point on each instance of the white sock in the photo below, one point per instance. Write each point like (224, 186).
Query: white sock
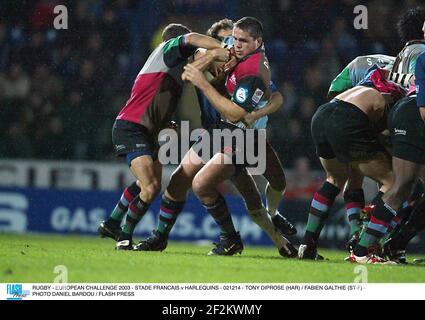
(273, 198)
(262, 219)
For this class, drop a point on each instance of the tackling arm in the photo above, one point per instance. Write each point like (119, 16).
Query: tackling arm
(224, 106)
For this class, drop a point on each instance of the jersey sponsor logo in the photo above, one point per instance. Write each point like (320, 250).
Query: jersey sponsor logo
(399, 132)
(241, 95)
(233, 79)
(258, 94)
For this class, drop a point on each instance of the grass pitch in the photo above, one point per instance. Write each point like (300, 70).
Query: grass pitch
(32, 258)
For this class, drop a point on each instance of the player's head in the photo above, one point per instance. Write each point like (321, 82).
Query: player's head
(411, 25)
(174, 30)
(248, 36)
(221, 29)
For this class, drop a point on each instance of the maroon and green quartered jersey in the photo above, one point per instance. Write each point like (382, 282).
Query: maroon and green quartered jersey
(158, 86)
(357, 70)
(248, 83)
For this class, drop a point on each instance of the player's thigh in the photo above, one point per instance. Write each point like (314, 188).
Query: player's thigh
(182, 177)
(336, 172)
(215, 171)
(379, 168)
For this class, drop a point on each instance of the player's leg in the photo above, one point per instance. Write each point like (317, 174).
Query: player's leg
(275, 190)
(354, 203)
(145, 169)
(112, 226)
(406, 175)
(324, 132)
(247, 187)
(408, 149)
(204, 185)
(132, 141)
(172, 202)
(395, 247)
(337, 174)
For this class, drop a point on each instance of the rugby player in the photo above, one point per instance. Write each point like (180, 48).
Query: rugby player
(407, 140)
(182, 177)
(353, 192)
(248, 85)
(345, 132)
(149, 109)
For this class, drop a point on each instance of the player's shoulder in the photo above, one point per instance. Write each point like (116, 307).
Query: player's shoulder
(253, 65)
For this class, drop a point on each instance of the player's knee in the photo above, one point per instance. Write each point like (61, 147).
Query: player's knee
(151, 190)
(199, 186)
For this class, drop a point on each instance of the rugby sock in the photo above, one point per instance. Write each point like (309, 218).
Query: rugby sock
(322, 201)
(136, 211)
(395, 222)
(273, 198)
(377, 227)
(262, 219)
(168, 213)
(122, 206)
(221, 215)
(413, 226)
(354, 203)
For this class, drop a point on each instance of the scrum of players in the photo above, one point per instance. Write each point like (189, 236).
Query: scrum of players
(373, 126)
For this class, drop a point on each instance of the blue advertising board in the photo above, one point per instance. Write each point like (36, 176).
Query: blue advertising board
(80, 212)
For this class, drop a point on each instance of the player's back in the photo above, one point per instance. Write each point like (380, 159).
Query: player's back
(158, 86)
(357, 70)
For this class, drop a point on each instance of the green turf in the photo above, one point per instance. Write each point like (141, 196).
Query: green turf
(32, 258)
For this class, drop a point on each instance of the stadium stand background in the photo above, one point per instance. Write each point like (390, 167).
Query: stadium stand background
(60, 90)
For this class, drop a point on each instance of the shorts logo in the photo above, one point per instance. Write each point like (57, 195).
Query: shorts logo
(241, 95)
(140, 145)
(119, 147)
(258, 94)
(399, 132)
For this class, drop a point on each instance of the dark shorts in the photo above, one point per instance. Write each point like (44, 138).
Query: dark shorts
(242, 155)
(129, 137)
(341, 130)
(407, 131)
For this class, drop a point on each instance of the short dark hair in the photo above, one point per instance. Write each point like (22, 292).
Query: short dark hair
(251, 25)
(223, 24)
(410, 24)
(174, 30)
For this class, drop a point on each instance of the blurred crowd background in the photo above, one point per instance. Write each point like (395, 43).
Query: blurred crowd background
(60, 90)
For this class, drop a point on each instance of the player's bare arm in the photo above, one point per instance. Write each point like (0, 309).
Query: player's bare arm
(224, 106)
(203, 60)
(274, 104)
